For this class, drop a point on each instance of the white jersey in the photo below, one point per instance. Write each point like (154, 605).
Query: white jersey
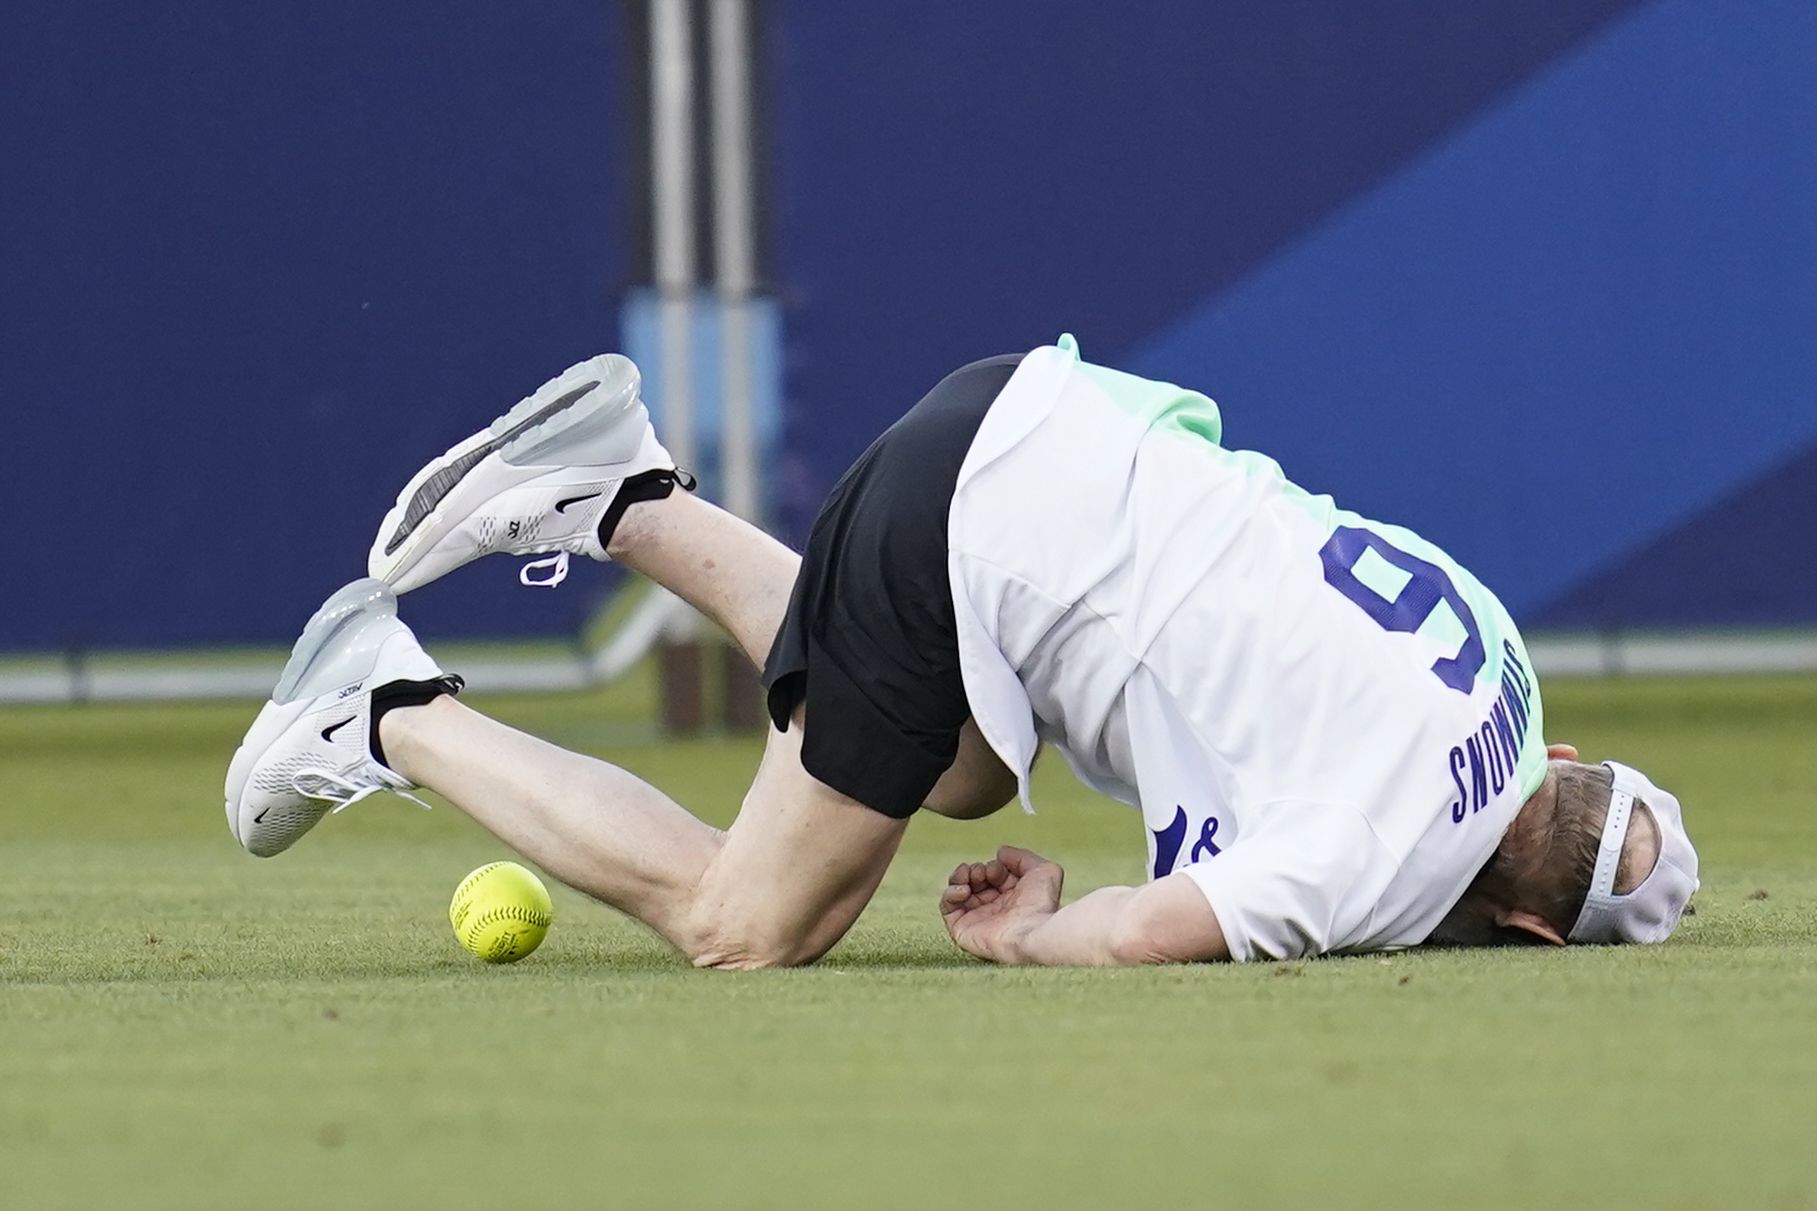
(1325, 721)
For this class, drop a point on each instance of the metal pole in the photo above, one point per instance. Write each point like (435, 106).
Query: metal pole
(735, 259)
(672, 186)
(735, 247)
(672, 221)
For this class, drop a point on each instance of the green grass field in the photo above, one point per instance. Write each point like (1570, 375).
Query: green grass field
(186, 1026)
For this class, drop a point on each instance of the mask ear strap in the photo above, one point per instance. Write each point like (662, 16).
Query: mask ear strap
(1614, 836)
(1608, 855)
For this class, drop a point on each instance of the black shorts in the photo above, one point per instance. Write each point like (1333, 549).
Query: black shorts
(869, 643)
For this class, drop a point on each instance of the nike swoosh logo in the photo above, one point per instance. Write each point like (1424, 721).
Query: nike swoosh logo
(260, 818)
(329, 731)
(561, 506)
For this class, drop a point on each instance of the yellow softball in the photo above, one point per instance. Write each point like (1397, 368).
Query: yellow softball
(501, 912)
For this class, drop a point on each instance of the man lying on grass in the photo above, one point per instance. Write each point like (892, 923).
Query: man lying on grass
(1331, 729)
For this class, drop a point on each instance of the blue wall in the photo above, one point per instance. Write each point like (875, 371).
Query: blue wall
(1538, 280)
(258, 261)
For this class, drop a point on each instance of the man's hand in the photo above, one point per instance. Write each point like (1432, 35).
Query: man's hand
(1008, 911)
(990, 906)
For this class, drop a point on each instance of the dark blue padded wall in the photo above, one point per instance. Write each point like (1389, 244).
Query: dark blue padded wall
(956, 179)
(1537, 280)
(1571, 328)
(259, 261)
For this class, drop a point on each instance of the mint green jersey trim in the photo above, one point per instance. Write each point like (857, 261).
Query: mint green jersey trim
(1533, 762)
(1159, 405)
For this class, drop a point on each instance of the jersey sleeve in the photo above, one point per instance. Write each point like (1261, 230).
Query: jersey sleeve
(1298, 884)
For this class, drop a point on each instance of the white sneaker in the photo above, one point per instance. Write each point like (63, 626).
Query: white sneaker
(310, 750)
(539, 479)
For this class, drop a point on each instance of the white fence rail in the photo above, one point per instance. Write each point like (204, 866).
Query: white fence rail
(101, 679)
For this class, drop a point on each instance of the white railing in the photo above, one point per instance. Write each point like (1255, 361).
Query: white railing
(111, 678)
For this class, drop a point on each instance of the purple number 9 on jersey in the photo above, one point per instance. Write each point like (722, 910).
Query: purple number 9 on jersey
(1427, 585)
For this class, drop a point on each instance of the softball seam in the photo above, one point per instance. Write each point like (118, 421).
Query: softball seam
(507, 912)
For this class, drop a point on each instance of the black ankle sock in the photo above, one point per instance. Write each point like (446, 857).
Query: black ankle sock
(650, 485)
(407, 693)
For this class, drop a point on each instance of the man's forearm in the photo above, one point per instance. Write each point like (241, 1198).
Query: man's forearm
(1163, 922)
(1082, 934)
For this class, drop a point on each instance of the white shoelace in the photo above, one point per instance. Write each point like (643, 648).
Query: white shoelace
(343, 792)
(558, 565)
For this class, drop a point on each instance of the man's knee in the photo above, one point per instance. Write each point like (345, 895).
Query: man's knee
(795, 870)
(727, 937)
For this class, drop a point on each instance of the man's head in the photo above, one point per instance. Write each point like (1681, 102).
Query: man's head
(1597, 854)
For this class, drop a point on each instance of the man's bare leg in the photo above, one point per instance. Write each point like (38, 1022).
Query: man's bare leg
(741, 578)
(588, 823)
(723, 566)
(782, 885)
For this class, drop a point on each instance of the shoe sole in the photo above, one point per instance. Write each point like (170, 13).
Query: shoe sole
(596, 391)
(266, 730)
(346, 607)
(348, 604)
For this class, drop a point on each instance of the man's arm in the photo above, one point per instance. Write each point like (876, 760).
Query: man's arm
(1008, 911)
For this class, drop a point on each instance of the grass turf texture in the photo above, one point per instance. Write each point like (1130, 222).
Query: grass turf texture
(188, 1026)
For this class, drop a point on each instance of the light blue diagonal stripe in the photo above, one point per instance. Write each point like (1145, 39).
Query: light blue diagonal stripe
(1580, 320)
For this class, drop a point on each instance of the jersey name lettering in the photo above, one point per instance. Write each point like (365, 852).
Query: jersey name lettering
(1482, 765)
